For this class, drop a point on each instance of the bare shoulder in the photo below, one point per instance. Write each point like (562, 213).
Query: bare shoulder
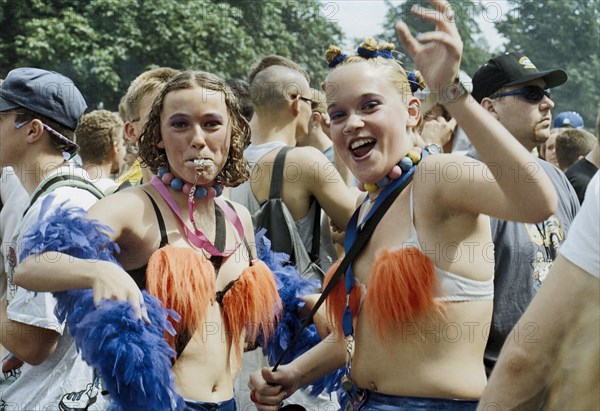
(306, 156)
(121, 210)
(240, 210)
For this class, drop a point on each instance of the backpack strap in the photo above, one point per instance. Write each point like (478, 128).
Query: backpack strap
(315, 256)
(277, 175)
(275, 192)
(64, 180)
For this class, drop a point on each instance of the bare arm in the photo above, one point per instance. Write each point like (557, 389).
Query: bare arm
(512, 187)
(523, 368)
(53, 271)
(27, 342)
(326, 184)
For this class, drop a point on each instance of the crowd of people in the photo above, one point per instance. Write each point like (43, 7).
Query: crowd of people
(132, 275)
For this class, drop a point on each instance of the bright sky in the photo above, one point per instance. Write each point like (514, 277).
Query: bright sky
(363, 18)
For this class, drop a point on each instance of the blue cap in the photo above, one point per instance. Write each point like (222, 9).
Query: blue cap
(568, 119)
(47, 93)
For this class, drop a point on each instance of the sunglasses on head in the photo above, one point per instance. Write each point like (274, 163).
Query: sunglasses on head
(531, 94)
(67, 146)
(313, 104)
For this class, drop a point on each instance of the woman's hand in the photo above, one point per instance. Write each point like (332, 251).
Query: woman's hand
(116, 284)
(436, 53)
(269, 389)
(438, 130)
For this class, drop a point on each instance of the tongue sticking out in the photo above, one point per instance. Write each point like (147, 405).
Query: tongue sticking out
(363, 150)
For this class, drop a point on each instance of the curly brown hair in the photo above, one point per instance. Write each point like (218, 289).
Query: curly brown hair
(236, 170)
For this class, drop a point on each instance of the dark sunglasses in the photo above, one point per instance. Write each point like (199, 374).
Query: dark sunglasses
(531, 94)
(67, 146)
(313, 104)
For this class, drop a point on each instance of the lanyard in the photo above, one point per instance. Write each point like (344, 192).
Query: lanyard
(197, 237)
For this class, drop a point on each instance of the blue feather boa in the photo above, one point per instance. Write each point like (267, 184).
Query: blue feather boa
(291, 286)
(132, 357)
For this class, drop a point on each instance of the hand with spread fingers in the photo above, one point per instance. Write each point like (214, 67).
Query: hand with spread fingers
(436, 53)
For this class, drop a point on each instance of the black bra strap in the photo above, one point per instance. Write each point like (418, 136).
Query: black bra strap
(164, 240)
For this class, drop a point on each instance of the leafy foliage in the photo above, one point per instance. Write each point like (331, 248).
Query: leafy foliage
(560, 34)
(104, 44)
(476, 50)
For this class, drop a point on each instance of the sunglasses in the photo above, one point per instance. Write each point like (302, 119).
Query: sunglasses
(531, 94)
(313, 104)
(66, 145)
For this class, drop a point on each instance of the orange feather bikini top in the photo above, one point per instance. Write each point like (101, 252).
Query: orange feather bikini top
(403, 284)
(185, 281)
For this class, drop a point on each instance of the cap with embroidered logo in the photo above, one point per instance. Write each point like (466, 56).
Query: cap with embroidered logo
(508, 70)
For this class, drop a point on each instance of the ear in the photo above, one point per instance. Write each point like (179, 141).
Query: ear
(35, 131)
(295, 107)
(315, 118)
(488, 105)
(414, 112)
(161, 144)
(112, 153)
(130, 132)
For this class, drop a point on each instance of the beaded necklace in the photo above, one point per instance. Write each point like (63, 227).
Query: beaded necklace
(408, 161)
(196, 237)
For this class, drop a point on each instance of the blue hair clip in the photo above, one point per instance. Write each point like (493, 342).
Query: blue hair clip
(337, 60)
(412, 80)
(386, 54)
(368, 54)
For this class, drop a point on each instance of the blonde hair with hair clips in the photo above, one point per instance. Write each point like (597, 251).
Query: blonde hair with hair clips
(379, 55)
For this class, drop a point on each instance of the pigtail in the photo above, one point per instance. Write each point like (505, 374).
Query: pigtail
(334, 56)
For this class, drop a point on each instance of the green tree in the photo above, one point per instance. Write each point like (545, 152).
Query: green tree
(299, 29)
(475, 52)
(560, 34)
(103, 44)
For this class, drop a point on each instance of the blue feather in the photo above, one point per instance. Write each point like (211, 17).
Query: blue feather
(132, 357)
(291, 286)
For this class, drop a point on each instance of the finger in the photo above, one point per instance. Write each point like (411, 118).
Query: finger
(410, 43)
(443, 7)
(137, 307)
(443, 19)
(436, 36)
(452, 123)
(145, 316)
(259, 397)
(97, 297)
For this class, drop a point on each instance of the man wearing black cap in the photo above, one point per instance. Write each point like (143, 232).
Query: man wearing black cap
(517, 94)
(39, 111)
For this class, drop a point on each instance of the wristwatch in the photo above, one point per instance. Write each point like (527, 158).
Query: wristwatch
(434, 149)
(452, 92)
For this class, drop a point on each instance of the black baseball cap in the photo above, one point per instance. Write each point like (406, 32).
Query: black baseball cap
(508, 70)
(47, 93)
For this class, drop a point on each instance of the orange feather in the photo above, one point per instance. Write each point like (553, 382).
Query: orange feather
(183, 280)
(402, 284)
(252, 304)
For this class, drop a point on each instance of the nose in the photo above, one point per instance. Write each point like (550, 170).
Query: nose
(547, 103)
(353, 123)
(198, 138)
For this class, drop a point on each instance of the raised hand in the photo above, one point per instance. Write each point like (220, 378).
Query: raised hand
(436, 53)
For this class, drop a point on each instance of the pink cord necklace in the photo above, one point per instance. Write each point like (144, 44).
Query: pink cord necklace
(195, 236)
